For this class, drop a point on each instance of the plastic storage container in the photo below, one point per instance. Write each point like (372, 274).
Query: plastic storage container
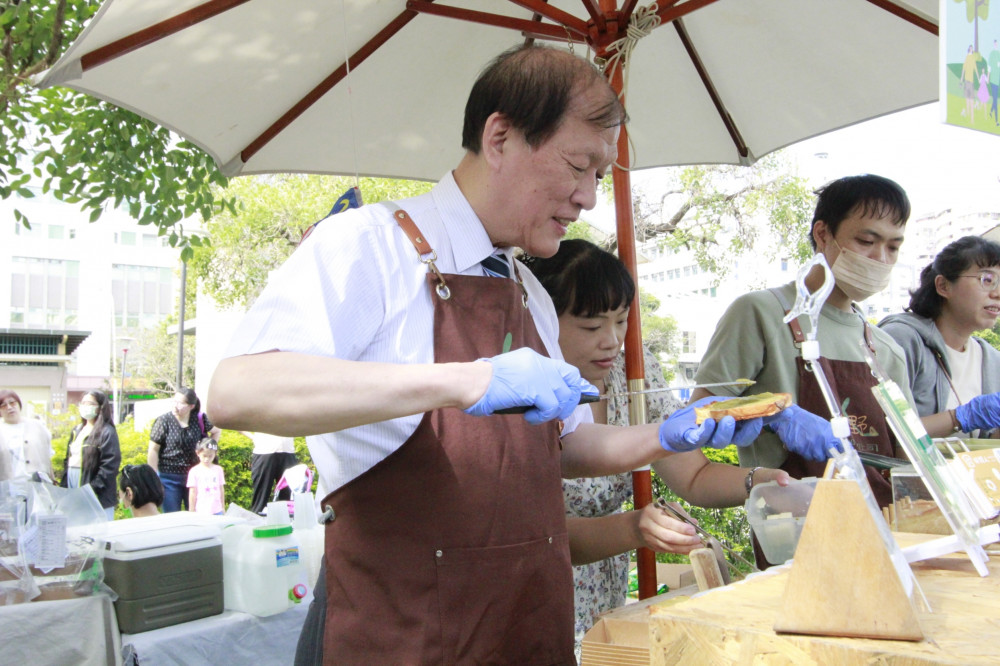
(164, 576)
(777, 515)
(262, 570)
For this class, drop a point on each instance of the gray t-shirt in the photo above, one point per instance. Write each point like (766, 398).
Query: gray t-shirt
(752, 341)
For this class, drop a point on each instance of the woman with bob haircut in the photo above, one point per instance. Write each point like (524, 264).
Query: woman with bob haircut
(140, 490)
(953, 375)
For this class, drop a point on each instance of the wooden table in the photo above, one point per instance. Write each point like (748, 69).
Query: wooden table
(733, 624)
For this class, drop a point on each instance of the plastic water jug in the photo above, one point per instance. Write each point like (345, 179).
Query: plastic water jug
(261, 569)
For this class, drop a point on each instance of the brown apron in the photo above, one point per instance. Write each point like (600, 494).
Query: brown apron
(454, 548)
(869, 430)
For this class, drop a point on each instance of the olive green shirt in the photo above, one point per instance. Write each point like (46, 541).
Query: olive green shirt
(752, 341)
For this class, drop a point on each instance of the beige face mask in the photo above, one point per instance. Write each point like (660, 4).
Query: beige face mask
(858, 276)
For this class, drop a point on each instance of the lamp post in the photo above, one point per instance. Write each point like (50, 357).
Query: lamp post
(121, 403)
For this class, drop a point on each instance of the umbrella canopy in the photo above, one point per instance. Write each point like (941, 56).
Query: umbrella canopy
(261, 84)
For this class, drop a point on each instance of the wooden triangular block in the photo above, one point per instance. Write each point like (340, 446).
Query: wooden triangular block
(842, 581)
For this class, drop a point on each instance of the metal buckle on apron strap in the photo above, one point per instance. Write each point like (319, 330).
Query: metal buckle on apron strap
(421, 245)
(328, 515)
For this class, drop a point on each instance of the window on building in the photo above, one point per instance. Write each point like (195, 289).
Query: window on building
(689, 340)
(150, 240)
(141, 294)
(57, 232)
(72, 233)
(44, 292)
(128, 238)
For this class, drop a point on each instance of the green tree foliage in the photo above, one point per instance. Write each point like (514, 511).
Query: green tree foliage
(85, 151)
(266, 224)
(152, 359)
(991, 335)
(724, 212)
(659, 334)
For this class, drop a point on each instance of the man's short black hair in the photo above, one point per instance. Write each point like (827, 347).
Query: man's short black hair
(534, 88)
(873, 196)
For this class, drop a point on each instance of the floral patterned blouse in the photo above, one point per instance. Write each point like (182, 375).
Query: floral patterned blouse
(601, 586)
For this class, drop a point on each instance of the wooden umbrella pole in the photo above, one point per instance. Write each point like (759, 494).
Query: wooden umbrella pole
(642, 487)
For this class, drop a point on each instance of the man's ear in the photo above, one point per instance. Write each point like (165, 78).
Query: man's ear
(821, 235)
(496, 132)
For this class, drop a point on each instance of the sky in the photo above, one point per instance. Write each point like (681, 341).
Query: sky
(940, 166)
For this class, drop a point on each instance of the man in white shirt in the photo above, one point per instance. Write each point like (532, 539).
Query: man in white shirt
(447, 539)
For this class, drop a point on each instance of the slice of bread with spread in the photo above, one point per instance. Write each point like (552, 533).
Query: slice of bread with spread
(745, 407)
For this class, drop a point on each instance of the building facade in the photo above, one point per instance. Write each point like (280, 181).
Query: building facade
(76, 292)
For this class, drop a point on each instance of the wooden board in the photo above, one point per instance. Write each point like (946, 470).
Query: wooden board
(734, 624)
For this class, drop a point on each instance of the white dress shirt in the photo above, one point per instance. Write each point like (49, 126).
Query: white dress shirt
(356, 290)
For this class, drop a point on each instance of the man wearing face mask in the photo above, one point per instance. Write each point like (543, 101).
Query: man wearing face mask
(858, 226)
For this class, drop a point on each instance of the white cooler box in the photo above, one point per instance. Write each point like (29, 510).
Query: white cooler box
(164, 571)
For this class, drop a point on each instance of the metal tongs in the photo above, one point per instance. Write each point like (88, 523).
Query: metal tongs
(726, 568)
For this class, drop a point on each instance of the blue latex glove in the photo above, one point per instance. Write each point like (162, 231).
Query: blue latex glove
(680, 433)
(524, 377)
(980, 413)
(803, 432)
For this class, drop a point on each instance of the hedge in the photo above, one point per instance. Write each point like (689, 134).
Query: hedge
(235, 451)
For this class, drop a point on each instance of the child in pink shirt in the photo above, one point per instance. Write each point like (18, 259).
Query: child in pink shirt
(205, 480)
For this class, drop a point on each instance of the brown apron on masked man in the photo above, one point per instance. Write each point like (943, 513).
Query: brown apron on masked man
(851, 382)
(454, 548)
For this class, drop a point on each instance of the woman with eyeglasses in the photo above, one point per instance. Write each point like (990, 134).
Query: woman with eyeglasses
(93, 454)
(25, 444)
(172, 442)
(953, 375)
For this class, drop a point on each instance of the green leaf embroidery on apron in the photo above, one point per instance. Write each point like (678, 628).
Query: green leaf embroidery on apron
(507, 341)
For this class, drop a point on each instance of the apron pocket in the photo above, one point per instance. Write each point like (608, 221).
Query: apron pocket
(507, 604)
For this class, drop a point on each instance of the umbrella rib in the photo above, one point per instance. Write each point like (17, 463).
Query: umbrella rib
(156, 32)
(906, 15)
(675, 10)
(554, 14)
(359, 56)
(472, 16)
(727, 119)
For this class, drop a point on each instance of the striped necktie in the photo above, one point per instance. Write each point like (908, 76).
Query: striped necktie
(496, 265)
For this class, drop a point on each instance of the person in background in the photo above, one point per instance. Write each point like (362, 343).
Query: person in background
(952, 374)
(93, 454)
(25, 444)
(272, 455)
(172, 442)
(592, 292)
(140, 490)
(858, 225)
(206, 481)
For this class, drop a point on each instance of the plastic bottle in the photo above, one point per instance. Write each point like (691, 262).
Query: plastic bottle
(310, 535)
(262, 570)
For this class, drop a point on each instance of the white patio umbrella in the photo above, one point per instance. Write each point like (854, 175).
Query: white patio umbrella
(726, 82)
(264, 85)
